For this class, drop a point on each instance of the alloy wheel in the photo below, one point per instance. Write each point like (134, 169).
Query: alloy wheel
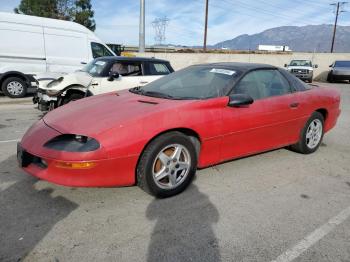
(171, 166)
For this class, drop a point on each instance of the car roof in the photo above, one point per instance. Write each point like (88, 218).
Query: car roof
(135, 59)
(240, 66)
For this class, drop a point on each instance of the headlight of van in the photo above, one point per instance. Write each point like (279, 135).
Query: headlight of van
(73, 143)
(55, 82)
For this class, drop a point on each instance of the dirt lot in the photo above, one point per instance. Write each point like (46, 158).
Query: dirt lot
(278, 206)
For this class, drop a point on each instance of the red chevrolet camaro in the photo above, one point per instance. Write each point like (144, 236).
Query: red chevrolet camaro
(157, 135)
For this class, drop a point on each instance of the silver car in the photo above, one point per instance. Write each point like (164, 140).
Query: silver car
(340, 70)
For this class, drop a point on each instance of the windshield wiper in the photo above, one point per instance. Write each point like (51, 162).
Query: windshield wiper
(139, 90)
(156, 94)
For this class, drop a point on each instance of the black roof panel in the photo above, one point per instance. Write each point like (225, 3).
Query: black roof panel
(135, 59)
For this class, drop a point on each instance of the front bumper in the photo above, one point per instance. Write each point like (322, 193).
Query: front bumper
(341, 77)
(41, 162)
(302, 75)
(43, 100)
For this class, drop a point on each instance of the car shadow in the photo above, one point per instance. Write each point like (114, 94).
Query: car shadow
(27, 214)
(183, 230)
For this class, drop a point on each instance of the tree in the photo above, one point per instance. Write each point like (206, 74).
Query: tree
(79, 11)
(84, 14)
(43, 8)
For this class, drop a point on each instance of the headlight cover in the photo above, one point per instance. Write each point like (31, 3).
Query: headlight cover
(55, 82)
(73, 143)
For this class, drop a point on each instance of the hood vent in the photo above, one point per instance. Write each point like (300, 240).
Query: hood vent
(147, 102)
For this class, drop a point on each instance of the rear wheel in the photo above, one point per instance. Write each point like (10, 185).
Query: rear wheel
(14, 87)
(311, 135)
(167, 165)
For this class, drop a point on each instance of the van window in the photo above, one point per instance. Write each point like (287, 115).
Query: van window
(99, 50)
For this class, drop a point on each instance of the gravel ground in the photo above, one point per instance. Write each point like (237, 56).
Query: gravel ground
(277, 205)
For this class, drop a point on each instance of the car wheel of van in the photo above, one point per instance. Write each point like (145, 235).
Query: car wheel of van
(311, 135)
(167, 165)
(14, 87)
(72, 97)
(310, 80)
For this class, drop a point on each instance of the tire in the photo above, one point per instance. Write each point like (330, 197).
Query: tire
(14, 87)
(330, 78)
(305, 145)
(310, 80)
(159, 155)
(72, 97)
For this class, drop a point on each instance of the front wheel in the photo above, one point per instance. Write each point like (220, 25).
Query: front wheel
(330, 78)
(14, 87)
(311, 135)
(167, 165)
(72, 97)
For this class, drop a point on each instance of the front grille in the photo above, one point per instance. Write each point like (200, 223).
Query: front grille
(300, 71)
(25, 159)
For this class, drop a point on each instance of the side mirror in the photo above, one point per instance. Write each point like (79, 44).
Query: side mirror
(315, 66)
(330, 65)
(112, 76)
(285, 65)
(238, 100)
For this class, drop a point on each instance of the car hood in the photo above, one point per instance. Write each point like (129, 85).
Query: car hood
(94, 115)
(77, 78)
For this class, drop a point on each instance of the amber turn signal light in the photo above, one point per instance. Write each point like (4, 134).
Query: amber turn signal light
(75, 165)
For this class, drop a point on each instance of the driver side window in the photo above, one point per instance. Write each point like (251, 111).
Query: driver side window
(126, 68)
(263, 83)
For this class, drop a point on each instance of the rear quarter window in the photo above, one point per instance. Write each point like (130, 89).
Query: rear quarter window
(296, 83)
(156, 68)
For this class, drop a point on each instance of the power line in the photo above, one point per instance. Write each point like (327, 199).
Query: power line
(338, 5)
(265, 11)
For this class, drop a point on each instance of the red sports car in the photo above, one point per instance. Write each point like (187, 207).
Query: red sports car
(156, 136)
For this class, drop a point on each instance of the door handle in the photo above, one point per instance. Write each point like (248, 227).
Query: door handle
(83, 63)
(94, 84)
(143, 82)
(294, 105)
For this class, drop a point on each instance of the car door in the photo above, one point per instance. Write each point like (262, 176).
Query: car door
(129, 73)
(269, 122)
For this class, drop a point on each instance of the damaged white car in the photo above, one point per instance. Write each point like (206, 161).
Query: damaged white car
(102, 75)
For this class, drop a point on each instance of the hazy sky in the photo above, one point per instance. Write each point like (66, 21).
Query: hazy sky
(117, 21)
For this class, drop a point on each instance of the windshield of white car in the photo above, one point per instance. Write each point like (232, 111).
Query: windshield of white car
(95, 67)
(342, 64)
(300, 63)
(194, 82)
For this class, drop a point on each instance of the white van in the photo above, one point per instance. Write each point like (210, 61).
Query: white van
(32, 47)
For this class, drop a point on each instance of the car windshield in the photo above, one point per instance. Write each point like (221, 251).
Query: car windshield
(342, 64)
(300, 63)
(194, 82)
(95, 67)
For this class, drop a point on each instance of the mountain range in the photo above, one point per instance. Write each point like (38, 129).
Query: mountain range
(307, 38)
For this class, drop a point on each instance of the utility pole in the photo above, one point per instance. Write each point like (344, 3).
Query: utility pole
(206, 25)
(142, 27)
(338, 6)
